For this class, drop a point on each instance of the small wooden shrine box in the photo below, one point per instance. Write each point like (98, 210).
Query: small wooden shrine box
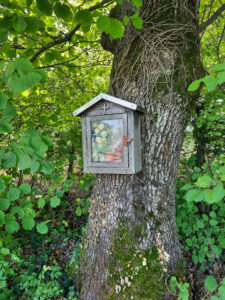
(111, 130)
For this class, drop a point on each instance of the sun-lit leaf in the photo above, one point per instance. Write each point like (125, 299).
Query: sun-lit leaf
(11, 225)
(137, 3)
(24, 162)
(25, 188)
(137, 21)
(55, 201)
(63, 11)
(28, 223)
(218, 194)
(42, 228)
(84, 18)
(204, 181)
(210, 283)
(194, 85)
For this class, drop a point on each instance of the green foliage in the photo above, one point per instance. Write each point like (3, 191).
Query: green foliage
(200, 210)
(213, 287)
(180, 289)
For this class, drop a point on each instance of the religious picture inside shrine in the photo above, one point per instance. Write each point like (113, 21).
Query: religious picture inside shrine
(107, 140)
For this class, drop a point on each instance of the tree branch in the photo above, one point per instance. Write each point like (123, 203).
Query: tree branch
(69, 35)
(205, 24)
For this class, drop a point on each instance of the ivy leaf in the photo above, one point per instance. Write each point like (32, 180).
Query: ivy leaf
(63, 11)
(55, 201)
(218, 193)
(24, 162)
(204, 181)
(84, 18)
(25, 188)
(3, 100)
(44, 6)
(137, 3)
(28, 223)
(10, 223)
(13, 194)
(137, 21)
(42, 228)
(194, 86)
(9, 160)
(5, 126)
(4, 204)
(210, 283)
(19, 23)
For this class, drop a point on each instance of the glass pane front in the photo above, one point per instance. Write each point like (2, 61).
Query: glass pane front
(107, 141)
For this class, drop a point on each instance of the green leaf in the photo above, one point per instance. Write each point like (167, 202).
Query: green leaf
(218, 193)
(10, 223)
(32, 24)
(194, 85)
(210, 82)
(34, 166)
(125, 20)
(28, 3)
(2, 218)
(5, 126)
(47, 140)
(18, 210)
(28, 223)
(63, 11)
(41, 203)
(219, 67)
(2, 153)
(137, 3)
(213, 222)
(35, 142)
(13, 194)
(207, 194)
(44, 6)
(55, 201)
(4, 204)
(43, 75)
(23, 66)
(221, 77)
(210, 283)
(24, 162)
(9, 160)
(84, 18)
(191, 195)
(221, 291)
(110, 26)
(49, 57)
(78, 211)
(2, 186)
(20, 84)
(9, 111)
(3, 36)
(19, 23)
(5, 251)
(204, 181)
(3, 100)
(25, 188)
(42, 228)
(214, 298)
(47, 168)
(116, 29)
(137, 21)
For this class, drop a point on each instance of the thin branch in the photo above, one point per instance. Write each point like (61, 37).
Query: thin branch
(221, 38)
(69, 35)
(204, 25)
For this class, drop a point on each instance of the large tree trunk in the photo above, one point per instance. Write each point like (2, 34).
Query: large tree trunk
(131, 238)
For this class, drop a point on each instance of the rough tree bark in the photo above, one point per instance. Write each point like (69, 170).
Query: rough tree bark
(131, 233)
